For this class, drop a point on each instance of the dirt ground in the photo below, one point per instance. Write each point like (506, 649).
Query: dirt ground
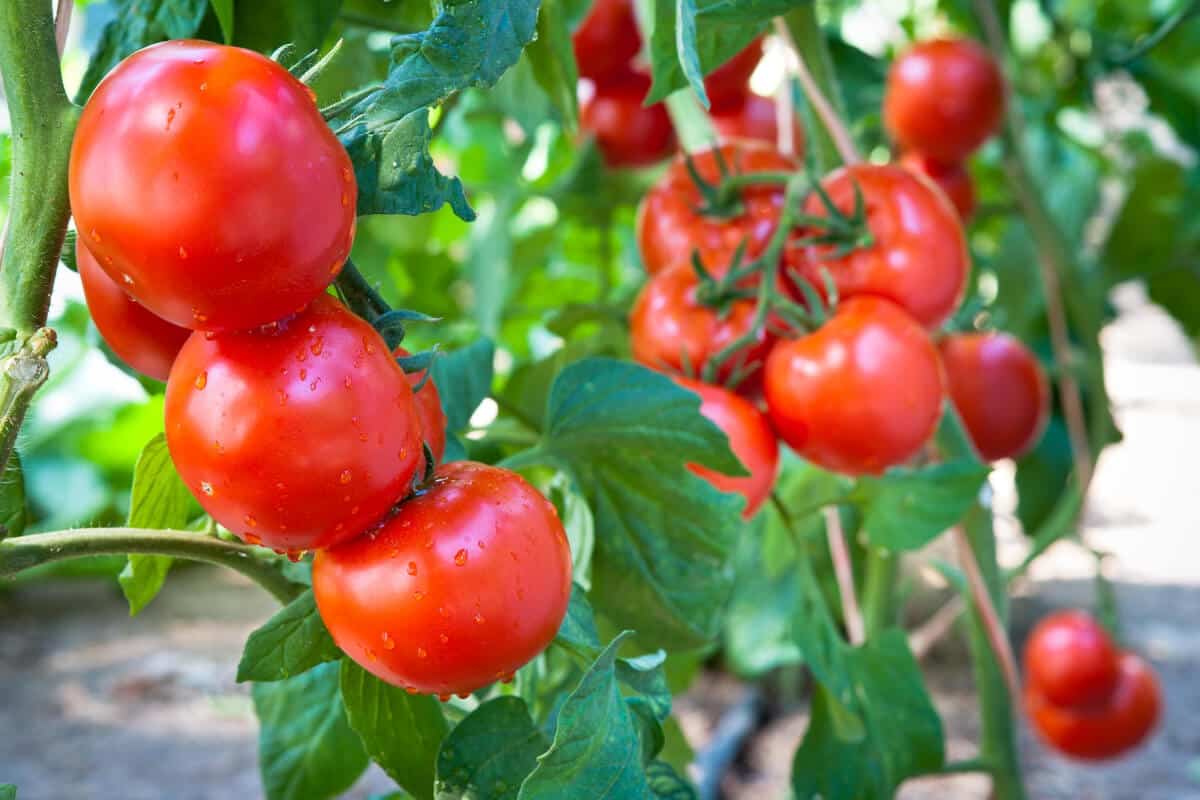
(96, 705)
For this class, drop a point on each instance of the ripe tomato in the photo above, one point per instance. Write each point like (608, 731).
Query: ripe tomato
(672, 330)
(728, 85)
(1106, 730)
(607, 40)
(1000, 390)
(670, 225)
(919, 256)
(627, 133)
(297, 435)
(860, 394)
(755, 119)
(206, 183)
(750, 438)
(467, 582)
(953, 179)
(429, 410)
(145, 342)
(1071, 660)
(944, 98)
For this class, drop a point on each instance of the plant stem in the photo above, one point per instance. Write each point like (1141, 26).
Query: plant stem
(1154, 38)
(843, 570)
(62, 24)
(930, 632)
(879, 611)
(25, 552)
(981, 600)
(814, 70)
(361, 296)
(23, 375)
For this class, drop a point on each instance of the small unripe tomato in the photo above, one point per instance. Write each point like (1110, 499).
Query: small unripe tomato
(1071, 660)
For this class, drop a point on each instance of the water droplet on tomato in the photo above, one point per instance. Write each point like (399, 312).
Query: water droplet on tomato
(196, 315)
(412, 568)
(347, 382)
(479, 620)
(96, 236)
(293, 556)
(443, 612)
(460, 558)
(317, 346)
(421, 652)
(410, 689)
(125, 276)
(182, 252)
(202, 380)
(443, 638)
(170, 117)
(419, 595)
(204, 86)
(482, 544)
(345, 477)
(303, 374)
(250, 520)
(345, 200)
(282, 397)
(250, 538)
(388, 642)
(206, 487)
(445, 698)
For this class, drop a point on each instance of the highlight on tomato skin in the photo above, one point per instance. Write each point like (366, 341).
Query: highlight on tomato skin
(463, 585)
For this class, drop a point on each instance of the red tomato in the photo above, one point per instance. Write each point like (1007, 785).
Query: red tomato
(205, 181)
(607, 40)
(860, 394)
(1107, 730)
(145, 342)
(429, 410)
(298, 435)
(944, 98)
(919, 256)
(750, 438)
(671, 330)
(728, 85)
(627, 133)
(953, 179)
(1000, 390)
(755, 119)
(467, 582)
(1071, 660)
(670, 225)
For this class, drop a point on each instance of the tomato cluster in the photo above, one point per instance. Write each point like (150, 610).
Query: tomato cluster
(214, 208)
(1085, 697)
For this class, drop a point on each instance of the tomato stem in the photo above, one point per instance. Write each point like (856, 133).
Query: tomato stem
(361, 297)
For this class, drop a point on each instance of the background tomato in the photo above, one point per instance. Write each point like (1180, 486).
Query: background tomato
(607, 40)
(296, 436)
(755, 119)
(670, 225)
(146, 342)
(1106, 730)
(205, 181)
(750, 438)
(465, 584)
(728, 86)
(944, 98)
(1000, 390)
(860, 394)
(918, 258)
(1071, 660)
(627, 133)
(953, 179)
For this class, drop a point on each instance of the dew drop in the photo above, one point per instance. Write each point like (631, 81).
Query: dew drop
(362, 437)
(170, 117)
(182, 252)
(303, 374)
(250, 520)
(206, 487)
(479, 620)
(125, 276)
(419, 595)
(347, 382)
(482, 544)
(345, 199)
(388, 642)
(443, 638)
(96, 236)
(345, 477)
(421, 652)
(252, 539)
(410, 689)
(282, 397)
(443, 612)
(412, 568)
(202, 380)
(312, 387)
(204, 86)
(346, 174)
(317, 346)
(196, 315)
(371, 655)
(460, 558)
(445, 698)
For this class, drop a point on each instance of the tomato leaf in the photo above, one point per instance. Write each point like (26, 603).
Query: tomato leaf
(401, 732)
(224, 11)
(264, 25)
(292, 641)
(464, 380)
(13, 509)
(553, 61)
(160, 500)
(306, 748)
(8, 792)
(625, 434)
(490, 752)
(578, 630)
(686, 45)
(905, 509)
(666, 784)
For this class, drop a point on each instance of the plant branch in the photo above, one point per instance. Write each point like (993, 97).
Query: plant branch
(931, 631)
(25, 552)
(1155, 37)
(821, 103)
(981, 598)
(785, 119)
(62, 23)
(360, 295)
(844, 572)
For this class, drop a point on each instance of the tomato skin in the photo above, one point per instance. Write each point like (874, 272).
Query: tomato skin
(860, 394)
(669, 227)
(671, 330)
(750, 438)
(207, 175)
(919, 257)
(953, 179)
(755, 120)
(296, 436)
(627, 134)
(728, 86)
(944, 98)
(429, 410)
(146, 342)
(1095, 733)
(607, 41)
(466, 583)
(1000, 390)
(1071, 660)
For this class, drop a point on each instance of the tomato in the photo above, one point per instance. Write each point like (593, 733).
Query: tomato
(627, 133)
(429, 409)
(298, 435)
(467, 582)
(142, 340)
(670, 224)
(755, 119)
(919, 255)
(1106, 730)
(1071, 660)
(944, 98)
(728, 86)
(953, 179)
(672, 330)
(607, 41)
(750, 438)
(207, 184)
(1000, 390)
(861, 393)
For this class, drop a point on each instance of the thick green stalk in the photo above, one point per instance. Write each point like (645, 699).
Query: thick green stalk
(809, 41)
(879, 590)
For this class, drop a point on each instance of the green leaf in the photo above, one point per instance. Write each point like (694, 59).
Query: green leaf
(464, 380)
(686, 45)
(293, 640)
(625, 434)
(578, 630)
(8, 792)
(553, 61)
(137, 24)
(579, 525)
(402, 732)
(224, 11)
(490, 752)
(264, 25)
(905, 509)
(13, 509)
(666, 784)
(160, 500)
(306, 749)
